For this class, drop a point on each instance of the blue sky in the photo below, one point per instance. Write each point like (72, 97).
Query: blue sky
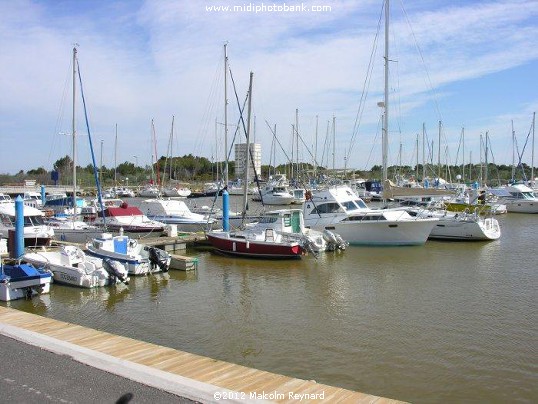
(470, 64)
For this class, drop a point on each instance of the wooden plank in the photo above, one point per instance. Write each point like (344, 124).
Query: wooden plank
(219, 373)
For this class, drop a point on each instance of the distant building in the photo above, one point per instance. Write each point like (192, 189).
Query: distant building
(241, 158)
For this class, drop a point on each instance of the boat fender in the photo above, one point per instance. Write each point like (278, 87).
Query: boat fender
(308, 195)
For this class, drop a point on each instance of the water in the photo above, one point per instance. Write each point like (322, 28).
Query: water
(443, 322)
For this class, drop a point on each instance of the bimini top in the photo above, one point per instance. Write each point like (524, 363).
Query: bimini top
(123, 210)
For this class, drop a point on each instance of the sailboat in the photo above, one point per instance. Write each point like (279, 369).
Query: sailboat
(68, 228)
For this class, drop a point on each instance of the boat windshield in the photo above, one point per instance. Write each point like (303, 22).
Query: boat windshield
(268, 219)
(33, 221)
(354, 205)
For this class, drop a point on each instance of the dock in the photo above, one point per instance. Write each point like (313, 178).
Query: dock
(181, 373)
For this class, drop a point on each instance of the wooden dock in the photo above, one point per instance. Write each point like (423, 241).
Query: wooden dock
(208, 377)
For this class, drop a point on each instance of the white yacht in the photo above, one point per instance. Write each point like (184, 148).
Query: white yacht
(339, 209)
(36, 231)
(460, 225)
(518, 198)
(173, 211)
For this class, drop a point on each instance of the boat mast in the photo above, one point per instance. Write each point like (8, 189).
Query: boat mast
(532, 153)
(247, 163)
(116, 158)
(463, 154)
(513, 152)
(73, 129)
(386, 100)
(486, 161)
(439, 154)
(225, 114)
(423, 151)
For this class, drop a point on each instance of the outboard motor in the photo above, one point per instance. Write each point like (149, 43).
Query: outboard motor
(159, 258)
(115, 269)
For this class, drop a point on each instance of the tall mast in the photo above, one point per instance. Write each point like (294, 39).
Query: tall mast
(532, 153)
(225, 115)
(513, 152)
(297, 143)
(439, 154)
(463, 154)
(334, 141)
(416, 168)
(316, 148)
(386, 101)
(74, 131)
(486, 161)
(423, 151)
(116, 157)
(247, 163)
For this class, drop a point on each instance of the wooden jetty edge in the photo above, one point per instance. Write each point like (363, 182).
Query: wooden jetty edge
(188, 375)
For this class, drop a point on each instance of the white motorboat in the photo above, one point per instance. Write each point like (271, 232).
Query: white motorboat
(74, 231)
(176, 192)
(70, 265)
(36, 231)
(139, 259)
(518, 198)
(22, 281)
(173, 211)
(460, 225)
(339, 209)
(129, 218)
(149, 191)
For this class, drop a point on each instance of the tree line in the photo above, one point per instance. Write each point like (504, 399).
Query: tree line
(191, 168)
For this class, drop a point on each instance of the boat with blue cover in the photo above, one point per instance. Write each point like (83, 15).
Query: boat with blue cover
(19, 281)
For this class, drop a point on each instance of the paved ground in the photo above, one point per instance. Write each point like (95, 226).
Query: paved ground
(29, 374)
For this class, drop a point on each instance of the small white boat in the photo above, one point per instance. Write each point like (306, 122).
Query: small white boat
(149, 191)
(129, 218)
(173, 211)
(69, 265)
(460, 225)
(139, 259)
(36, 231)
(22, 281)
(176, 192)
(74, 231)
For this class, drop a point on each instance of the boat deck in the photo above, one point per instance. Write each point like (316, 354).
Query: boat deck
(193, 376)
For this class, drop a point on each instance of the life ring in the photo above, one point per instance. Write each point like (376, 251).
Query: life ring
(308, 195)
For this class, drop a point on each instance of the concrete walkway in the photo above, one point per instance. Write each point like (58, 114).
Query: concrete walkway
(167, 371)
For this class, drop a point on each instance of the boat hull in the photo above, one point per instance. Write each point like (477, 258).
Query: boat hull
(223, 243)
(381, 232)
(488, 229)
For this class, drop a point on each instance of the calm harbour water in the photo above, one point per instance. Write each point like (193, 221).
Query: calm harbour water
(443, 322)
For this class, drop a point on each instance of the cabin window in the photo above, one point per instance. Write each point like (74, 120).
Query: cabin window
(287, 220)
(268, 219)
(331, 207)
(6, 220)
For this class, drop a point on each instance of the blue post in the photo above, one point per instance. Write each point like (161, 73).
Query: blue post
(43, 196)
(225, 211)
(19, 227)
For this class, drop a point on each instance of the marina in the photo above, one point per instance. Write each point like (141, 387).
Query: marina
(445, 321)
(428, 294)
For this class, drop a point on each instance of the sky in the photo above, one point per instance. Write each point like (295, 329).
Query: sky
(471, 65)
